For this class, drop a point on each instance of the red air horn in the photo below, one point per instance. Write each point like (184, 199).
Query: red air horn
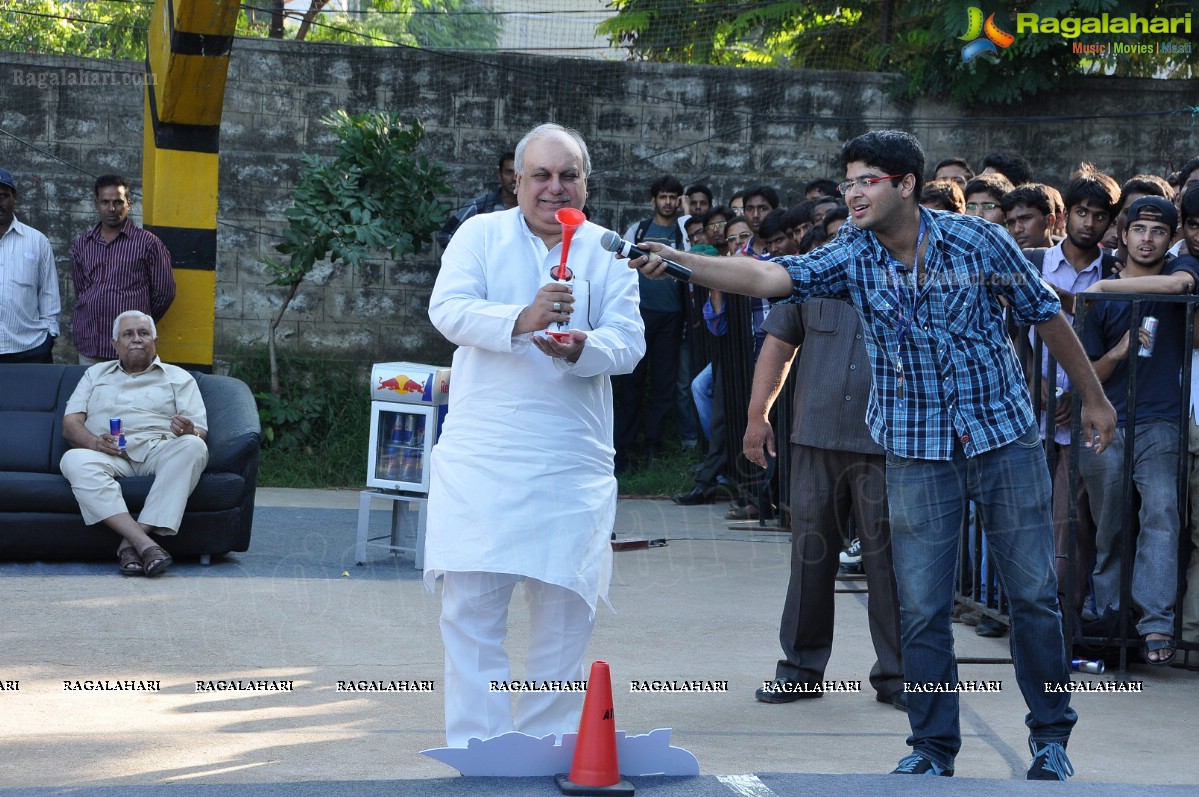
(570, 219)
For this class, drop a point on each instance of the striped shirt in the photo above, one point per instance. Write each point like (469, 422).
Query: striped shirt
(962, 381)
(131, 273)
(1057, 270)
(29, 301)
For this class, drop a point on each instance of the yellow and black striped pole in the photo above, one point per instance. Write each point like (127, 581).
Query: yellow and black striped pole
(187, 58)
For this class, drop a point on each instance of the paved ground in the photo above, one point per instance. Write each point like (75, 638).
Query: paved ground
(296, 609)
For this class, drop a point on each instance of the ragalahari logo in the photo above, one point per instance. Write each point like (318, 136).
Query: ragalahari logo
(985, 37)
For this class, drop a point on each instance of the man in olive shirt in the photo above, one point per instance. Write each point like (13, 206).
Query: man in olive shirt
(837, 471)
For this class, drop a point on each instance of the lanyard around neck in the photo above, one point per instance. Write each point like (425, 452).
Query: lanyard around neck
(906, 320)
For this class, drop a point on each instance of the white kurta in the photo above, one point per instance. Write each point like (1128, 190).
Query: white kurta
(521, 477)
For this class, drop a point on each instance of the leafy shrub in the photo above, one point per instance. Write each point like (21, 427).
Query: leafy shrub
(314, 433)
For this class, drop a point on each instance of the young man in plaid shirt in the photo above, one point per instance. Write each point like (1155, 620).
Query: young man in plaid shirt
(951, 408)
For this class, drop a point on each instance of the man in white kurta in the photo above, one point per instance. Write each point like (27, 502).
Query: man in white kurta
(522, 483)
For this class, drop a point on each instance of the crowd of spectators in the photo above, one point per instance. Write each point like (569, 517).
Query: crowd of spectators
(1077, 235)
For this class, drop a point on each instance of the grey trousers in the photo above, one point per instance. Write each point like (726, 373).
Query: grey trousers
(826, 488)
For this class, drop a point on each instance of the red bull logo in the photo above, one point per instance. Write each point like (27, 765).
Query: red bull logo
(409, 383)
(401, 384)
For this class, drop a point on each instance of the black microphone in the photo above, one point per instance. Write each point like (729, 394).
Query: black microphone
(614, 243)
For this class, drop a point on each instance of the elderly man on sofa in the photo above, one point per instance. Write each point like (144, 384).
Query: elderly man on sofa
(164, 424)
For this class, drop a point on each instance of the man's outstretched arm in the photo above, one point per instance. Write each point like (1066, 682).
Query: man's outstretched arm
(744, 275)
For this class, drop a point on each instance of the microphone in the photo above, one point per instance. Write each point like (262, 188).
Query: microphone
(612, 242)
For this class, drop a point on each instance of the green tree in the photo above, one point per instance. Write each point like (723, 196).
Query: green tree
(90, 28)
(819, 34)
(919, 40)
(454, 24)
(117, 28)
(458, 24)
(376, 194)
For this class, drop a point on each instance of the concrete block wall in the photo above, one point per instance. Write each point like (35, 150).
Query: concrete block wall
(730, 128)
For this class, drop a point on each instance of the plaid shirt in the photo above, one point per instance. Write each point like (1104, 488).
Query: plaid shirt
(962, 381)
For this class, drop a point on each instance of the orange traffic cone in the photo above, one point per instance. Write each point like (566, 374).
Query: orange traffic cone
(594, 768)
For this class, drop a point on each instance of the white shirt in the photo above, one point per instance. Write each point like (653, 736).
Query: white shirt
(521, 478)
(29, 302)
(1057, 271)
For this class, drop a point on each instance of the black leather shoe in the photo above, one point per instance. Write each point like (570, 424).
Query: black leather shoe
(698, 495)
(784, 690)
(897, 699)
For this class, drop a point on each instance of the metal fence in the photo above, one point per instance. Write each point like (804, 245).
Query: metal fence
(979, 586)
(1110, 637)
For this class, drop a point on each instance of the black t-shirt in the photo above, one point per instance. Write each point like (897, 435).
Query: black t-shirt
(1159, 388)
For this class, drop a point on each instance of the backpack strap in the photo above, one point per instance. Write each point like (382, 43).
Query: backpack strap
(1036, 256)
(1107, 264)
(642, 229)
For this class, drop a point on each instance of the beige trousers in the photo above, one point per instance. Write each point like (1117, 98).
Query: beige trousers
(176, 465)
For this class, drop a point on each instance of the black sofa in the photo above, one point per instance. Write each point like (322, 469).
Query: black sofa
(39, 517)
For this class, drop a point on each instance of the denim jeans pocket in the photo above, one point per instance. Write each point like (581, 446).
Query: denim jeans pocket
(1030, 439)
(896, 461)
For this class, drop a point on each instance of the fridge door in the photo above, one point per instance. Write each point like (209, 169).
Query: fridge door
(401, 439)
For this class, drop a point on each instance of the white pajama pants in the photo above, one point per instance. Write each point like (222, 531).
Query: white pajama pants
(176, 465)
(474, 624)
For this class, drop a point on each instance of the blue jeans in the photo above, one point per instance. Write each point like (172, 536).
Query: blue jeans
(702, 393)
(928, 502)
(1155, 479)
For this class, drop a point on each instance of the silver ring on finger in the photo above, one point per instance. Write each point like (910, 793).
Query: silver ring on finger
(557, 307)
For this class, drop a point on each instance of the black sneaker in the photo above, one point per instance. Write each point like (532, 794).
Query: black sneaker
(1049, 761)
(917, 764)
(784, 690)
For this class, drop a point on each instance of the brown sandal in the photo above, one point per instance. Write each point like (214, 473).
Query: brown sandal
(156, 560)
(130, 562)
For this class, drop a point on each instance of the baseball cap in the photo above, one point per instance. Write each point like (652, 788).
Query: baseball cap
(1154, 208)
(6, 179)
